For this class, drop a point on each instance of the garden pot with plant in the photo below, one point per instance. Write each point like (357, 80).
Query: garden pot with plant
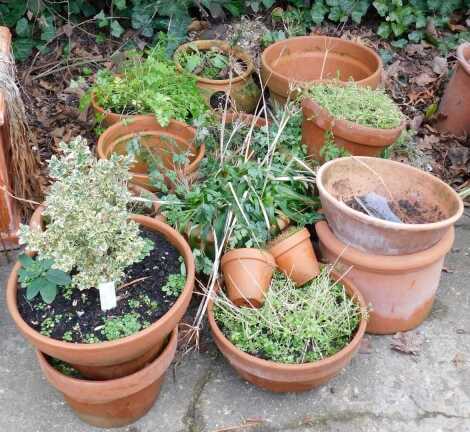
(384, 207)
(221, 72)
(247, 275)
(294, 254)
(342, 119)
(146, 86)
(102, 287)
(454, 108)
(113, 402)
(300, 61)
(317, 330)
(161, 152)
(400, 289)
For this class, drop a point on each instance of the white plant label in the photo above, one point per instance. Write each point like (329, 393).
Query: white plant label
(107, 295)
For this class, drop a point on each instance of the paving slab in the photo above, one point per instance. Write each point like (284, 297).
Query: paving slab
(381, 390)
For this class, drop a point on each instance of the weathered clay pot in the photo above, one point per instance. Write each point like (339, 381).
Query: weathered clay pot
(295, 256)
(280, 378)
(400, 289)
(356, 139)
(247, 274)
(108, 117)
(114, 402)
(242, 90)
(301, 61)
(175, 138)
(455, 104)
(340, 180)
(122, 356)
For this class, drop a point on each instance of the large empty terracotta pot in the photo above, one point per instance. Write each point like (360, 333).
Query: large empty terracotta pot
(122, 356)
(400, 289)
(356, 139)
(301, 61)
(455, 104)
(241, 90)
(115, 402)
(280, 377)
(163, 142)
(415, 194)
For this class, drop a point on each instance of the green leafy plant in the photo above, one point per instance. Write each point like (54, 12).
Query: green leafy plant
(174, 285)
(295, 324)
(122, 326)
(39, 277)
(330, 150)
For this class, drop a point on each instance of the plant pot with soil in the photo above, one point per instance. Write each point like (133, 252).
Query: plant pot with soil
(385, 207)
(294, 352)
(345, 119)
(161, 153)
(113, 402)
(102, 288)
(294, 254)
(400, 289)
(454, 108)
(150, 85)
(221, 72)
(300, 61)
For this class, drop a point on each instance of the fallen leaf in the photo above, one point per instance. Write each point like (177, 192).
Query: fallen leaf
(407, 343)
(416, 122)
(67, 29)
(58, 132)
(439, 65)
(423, 79)
(427, 142)
(459, 360)
(198, 25)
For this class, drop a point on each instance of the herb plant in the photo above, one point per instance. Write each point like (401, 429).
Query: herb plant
(295, 324)
(122, 326)
(174, 285)
(39, 277)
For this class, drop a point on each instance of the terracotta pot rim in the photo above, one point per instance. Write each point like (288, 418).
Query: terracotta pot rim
(97, 107)
(288, 243)
(245, 118)
(168, 232)
(383, 223)
(248, 253)
(224, 46)
(273, 74)
(89, 391)
(345, 128)
(290, 367)
(384, 263)
(463, 56)
(188, 169)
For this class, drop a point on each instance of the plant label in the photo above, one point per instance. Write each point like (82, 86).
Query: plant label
(107, 295)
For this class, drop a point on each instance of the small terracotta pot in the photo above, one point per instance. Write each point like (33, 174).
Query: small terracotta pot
(109, 117)
(455, 104)
(242, 90)
(356, 139)
(301, 61)
(279, 377)
(114, 402)
(247, 274)
(294, 255)
(122, 356)
(342, 179)
(175, 138)
(400, 289)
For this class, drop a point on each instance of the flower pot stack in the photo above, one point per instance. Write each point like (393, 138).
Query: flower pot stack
(396, 266)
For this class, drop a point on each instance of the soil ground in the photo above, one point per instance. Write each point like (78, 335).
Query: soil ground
(382, 390)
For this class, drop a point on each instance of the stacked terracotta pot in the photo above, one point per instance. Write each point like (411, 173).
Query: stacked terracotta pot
(396, 266)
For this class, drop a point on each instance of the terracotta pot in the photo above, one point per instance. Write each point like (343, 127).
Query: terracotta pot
(114, 402)
(279, 377)
(139, 191)
(340, 180)
(301, 61)
(400, 289)
(247, 119)
(294, 255)
(121, 356)
(242, 90)
(455, 104)
(109, 117)
(356, 139)
(176, 138)
(247, 274)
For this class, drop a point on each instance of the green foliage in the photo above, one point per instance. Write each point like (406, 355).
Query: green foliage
(295, 325)
(150, 85)
(212, 63)
(330, 150)
(88, 227)
(39, 277)
(122, 326)
(174, 285)
(64, 368)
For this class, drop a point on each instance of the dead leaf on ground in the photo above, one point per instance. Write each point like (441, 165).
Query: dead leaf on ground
(407, 343)
(423, 79)
(459, 360)
(439, 65)
(427, 142)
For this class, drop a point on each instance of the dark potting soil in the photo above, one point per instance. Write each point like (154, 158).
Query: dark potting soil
(405, 210)
(79, 318)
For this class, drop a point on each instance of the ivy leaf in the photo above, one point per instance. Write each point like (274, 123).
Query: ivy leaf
(22, 27)
(384, 30)
(34, 287)
(318, 12)
(116, 29)
(48, 28)
(58, 277)
(101, 20)
(48, 291)
(120, 4)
